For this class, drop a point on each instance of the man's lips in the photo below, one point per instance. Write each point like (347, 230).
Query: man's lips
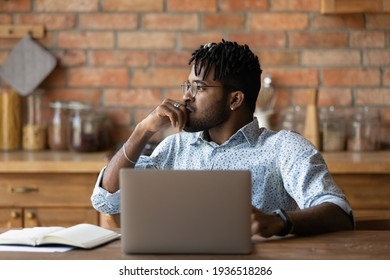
(189, 108)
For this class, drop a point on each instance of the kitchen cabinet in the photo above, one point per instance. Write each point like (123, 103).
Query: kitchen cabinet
(365, 179)
(54, 188)
(48, 188)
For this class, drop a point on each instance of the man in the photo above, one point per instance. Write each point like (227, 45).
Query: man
(293, 191)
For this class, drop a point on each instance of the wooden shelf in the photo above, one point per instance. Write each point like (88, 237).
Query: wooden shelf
(354, 6)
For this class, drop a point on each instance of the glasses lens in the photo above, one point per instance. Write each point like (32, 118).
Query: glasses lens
(194, 89)
(191, 88)
(185, 87)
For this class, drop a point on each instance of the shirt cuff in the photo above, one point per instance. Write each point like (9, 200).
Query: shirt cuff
(104, 201)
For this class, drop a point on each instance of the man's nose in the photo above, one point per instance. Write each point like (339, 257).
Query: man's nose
(187, 96)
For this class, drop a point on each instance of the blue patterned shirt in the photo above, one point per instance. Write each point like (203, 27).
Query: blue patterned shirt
(287, 171)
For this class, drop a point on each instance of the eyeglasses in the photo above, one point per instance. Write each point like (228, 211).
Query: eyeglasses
(193, 88)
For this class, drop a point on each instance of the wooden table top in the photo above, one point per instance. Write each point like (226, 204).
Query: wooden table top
(344, 245)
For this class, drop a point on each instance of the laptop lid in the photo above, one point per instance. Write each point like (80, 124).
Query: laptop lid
(185, 211)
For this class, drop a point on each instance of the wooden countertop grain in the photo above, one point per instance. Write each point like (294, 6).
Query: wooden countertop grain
(52, 162)
(376, 162)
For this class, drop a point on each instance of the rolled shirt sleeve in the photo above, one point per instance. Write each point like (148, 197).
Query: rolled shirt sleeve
(104, 201)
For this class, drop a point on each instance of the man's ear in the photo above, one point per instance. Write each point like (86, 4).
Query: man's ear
(236, 99)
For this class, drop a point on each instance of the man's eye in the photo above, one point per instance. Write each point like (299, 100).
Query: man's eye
(201, 88)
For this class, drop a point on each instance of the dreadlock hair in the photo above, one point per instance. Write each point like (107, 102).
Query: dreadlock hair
(236, 67)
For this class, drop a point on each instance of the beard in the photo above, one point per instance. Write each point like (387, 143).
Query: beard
(207, 118)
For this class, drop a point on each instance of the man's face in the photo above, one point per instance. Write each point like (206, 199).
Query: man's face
(210, 107)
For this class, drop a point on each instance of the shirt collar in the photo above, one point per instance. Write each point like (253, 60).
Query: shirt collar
(251, 132)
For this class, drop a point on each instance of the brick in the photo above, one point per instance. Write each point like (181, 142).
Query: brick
(338, 22)
(295, 5)
(134, 5)
(279, 58)
(260, 39)
(132, 97)
(376, 57)
(85, 40)
(69, 57)
(171, 58)
(318, 39)
(98, 77)
(192, 6)
(70, 94)
(278, 21)
(161, 77)
(175, 94)
(67, 6)
(334, 97)
(368, 39)
(386, 77)
(5, 19)
(385, 117)
(377, 96)
(331, 58)
(108, 21)
(50, 21)
(193, 41)
(8, 44)
(283, 97)
(146, 40)
(15, 6)
(55, 78)
(120, 117)
(388, 38)
(120, 58)
(223, 21)
(170, 22)
(294, 77)
(351, 77)
(47, 41)
(300, 96)
(378, 21)
(243, 5)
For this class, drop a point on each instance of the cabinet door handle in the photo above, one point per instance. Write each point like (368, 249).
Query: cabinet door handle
(24, 189)
(15, 215)
(30, 215)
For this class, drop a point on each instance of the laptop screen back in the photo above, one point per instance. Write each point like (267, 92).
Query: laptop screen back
(185, 211)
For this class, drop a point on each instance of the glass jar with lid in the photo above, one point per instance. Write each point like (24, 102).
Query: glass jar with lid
(104, 127)
(293, 119)
(83, 128)
(34, 128)
(333, 129)
(58, 126)
(363, 129)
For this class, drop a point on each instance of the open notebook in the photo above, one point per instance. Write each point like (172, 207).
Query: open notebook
(82, 236)
(182, 211)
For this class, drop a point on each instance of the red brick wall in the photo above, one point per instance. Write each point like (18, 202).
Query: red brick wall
(127, 55)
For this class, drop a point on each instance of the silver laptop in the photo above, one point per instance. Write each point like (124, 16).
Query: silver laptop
(185, 212)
